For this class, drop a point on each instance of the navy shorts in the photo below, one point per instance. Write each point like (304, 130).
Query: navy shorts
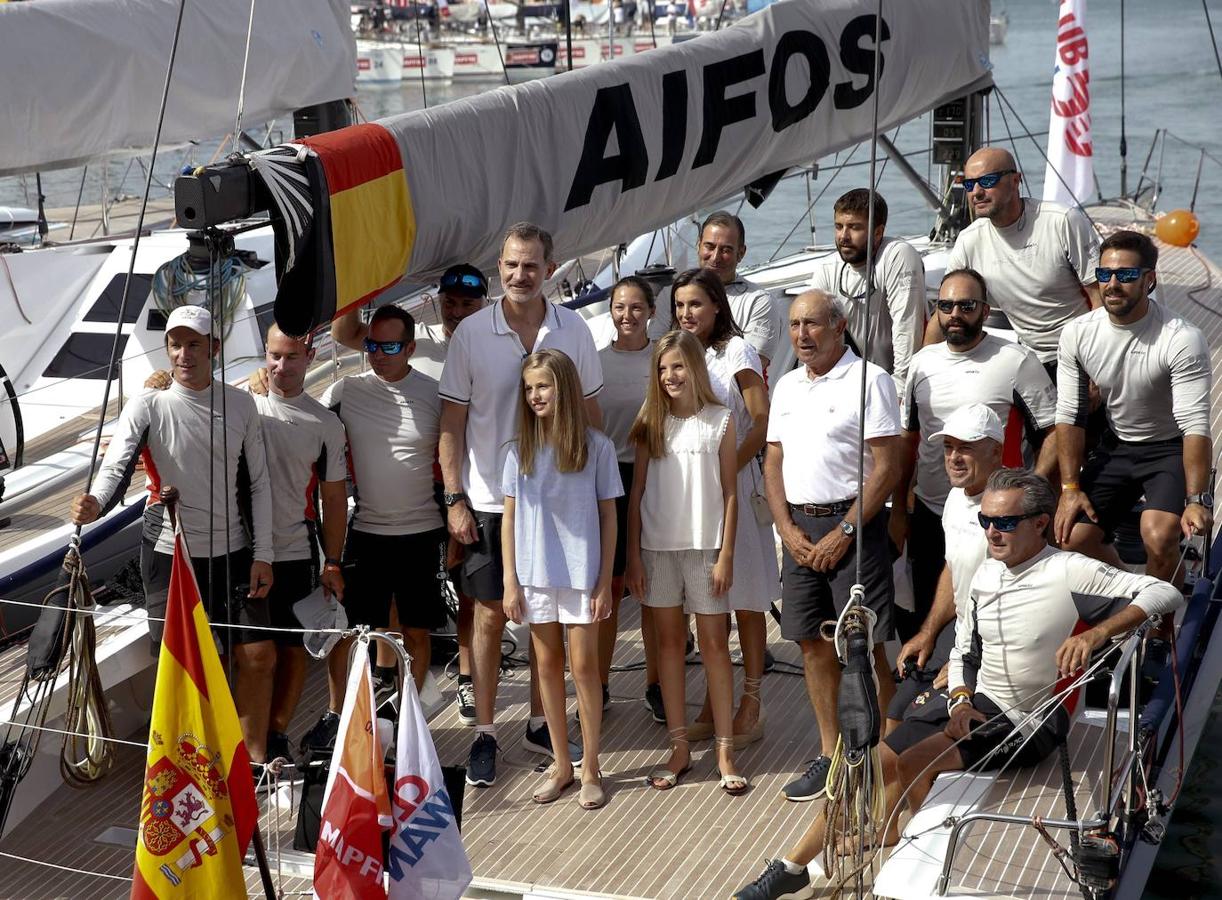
(406, 568)
(621, 521)
(1118, 474)
(481, 574)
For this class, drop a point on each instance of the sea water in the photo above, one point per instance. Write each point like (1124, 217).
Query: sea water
(1171, 81)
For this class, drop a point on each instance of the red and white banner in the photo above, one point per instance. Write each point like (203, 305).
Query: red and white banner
(1069, 141)
(356, 806)
(426, 860)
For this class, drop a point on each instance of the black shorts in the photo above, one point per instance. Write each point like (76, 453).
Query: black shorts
(927, 554)
(907, 691)
(227, 605)
(621, 522)
(1118, 474)
(929, 716)
(410, 568)
(810, 598)
(481, 574)
(293, 580)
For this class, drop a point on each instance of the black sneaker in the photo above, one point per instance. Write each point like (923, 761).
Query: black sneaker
(539, 740)
(810, 785)
(653, 699)
(278, 746)
(465, 701)
(689, 648)
(322, 735)
(481, 765)
(385, 686)
(777, 884)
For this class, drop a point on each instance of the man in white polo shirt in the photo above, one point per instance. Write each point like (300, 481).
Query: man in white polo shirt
(969, 366)
(897, 301)
(810, 473)
(1039, 257)
(479, 389)
(723, 244)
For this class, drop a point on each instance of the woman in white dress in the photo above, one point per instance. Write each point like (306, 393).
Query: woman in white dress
(700, 307)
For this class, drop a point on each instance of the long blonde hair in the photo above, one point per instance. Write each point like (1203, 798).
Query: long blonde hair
(565, 429)
(649, 429)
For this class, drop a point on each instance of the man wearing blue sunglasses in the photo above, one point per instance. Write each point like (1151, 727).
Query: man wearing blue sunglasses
(1153, 374)
(1038, 257)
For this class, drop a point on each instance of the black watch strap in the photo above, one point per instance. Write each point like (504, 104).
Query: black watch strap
(450, 499)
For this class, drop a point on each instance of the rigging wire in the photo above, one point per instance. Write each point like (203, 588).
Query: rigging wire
(1212, 38)
(237, 122)
(424, 94)
(496, 40)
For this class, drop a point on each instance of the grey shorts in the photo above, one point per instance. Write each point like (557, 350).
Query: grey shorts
(682, 578)
(810, 598)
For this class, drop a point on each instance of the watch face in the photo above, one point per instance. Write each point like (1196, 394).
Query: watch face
(848, 528)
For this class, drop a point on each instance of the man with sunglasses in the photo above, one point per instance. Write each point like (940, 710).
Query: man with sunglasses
(970, 366)
(1153, 374)
(897, 323)
(396, 543)
(1014, 642)
(479, 397)
(1038, 256)
(722, 246)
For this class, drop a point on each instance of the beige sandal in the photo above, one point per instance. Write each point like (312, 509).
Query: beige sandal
(751, 688)
(734, 785)
(699, 731)
(592, 795)
(664, 779)
(552, 788)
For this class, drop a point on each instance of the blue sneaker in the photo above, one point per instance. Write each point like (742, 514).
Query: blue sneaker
(777, 884)
(539, 740)
(811, 784)
(481, 765)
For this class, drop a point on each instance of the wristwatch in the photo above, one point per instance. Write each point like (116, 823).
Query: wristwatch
(848, 528)
(331, 563)
(1204, 498)
(450, 499)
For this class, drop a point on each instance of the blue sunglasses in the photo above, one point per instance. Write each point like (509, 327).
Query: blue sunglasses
(390, 348)
(466, 280)
(1004, 524)
(1126, 275)
(987, 181)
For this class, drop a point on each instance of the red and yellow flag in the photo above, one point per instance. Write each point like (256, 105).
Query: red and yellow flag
(199, 809)
(356, 806)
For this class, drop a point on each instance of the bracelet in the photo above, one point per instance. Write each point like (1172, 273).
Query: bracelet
(331, 564)
(958, 700)
(961, 692)
(1070, 486)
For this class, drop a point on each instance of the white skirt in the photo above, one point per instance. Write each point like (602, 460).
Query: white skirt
(757, 580)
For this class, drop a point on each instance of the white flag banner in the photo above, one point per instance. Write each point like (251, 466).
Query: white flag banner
(1069, 142)
(426, 860)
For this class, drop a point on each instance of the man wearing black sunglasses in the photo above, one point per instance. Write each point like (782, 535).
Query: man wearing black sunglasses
(970, 366)
(1039, 257)
(1153, 374)
(1012, 647)
(897, 301)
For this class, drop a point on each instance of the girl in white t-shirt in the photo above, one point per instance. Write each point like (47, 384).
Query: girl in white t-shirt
(699, 306)
(558, 542)
(681, 528)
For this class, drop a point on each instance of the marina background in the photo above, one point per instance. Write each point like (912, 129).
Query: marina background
(1171, 81)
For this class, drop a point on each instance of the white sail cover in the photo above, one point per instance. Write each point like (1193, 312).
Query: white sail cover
(83, 78)
(600, 155)
(1069, 177)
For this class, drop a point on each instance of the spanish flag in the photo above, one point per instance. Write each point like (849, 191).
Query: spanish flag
(199, 809)
(348, 863)
(346, 222)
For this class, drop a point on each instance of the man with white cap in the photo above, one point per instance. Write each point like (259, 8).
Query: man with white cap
(970, 440)
(970, 366)
(219, 467)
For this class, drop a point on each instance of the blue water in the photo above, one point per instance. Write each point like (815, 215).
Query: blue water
(1171, 82)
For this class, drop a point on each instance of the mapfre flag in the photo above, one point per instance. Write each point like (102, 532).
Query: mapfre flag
(355, 808)
(1069, 142)
(198, 811)
(426, 860)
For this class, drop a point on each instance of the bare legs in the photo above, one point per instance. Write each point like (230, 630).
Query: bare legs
(288, 680)
(547, 642)
(489, 625)
(256, 664)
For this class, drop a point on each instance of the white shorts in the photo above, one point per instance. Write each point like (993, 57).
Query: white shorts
(567, 606)
(682, 578)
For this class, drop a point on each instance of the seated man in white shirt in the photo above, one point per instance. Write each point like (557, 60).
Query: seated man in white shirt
(1025, 601)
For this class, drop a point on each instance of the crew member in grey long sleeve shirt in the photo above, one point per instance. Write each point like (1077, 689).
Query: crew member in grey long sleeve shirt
(1153, 374)
(170, 432)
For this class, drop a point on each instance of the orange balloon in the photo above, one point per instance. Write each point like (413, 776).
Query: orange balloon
(1179, 228)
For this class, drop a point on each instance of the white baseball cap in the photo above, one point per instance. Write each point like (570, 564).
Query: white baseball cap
(196, 318)
(973, 422)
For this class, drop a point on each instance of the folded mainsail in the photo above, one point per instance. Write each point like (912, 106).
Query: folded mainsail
(601, 155)
(83, 78)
